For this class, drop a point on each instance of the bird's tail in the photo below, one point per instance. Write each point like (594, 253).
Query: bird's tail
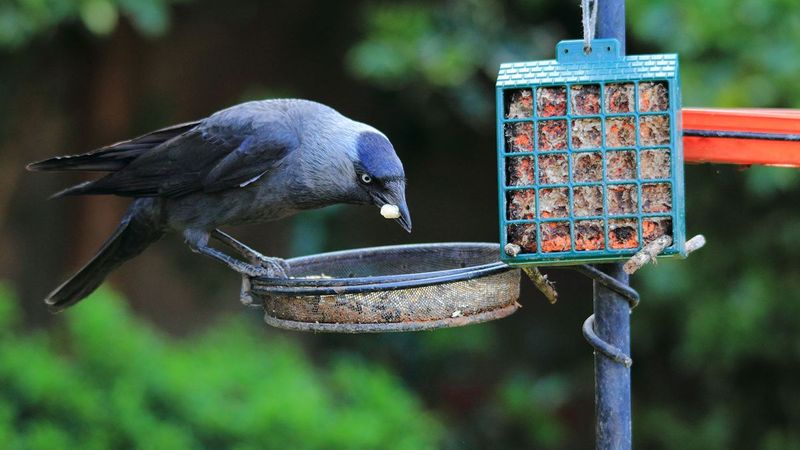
(132, 236)
(113, 157)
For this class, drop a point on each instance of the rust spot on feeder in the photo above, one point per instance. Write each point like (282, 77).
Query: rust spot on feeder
(623, 233)
(519, 104)
(619, 98)
(524, 235)
(589, 235)
(555, 237)
(552, 134)
(551, 101)
(519, 171)
(519, 137)
(585, 99)
(521, 204)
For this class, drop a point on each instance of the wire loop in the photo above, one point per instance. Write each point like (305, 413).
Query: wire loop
(629, 294)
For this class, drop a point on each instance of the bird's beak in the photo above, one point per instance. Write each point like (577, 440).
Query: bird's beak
(397, 197)
(405, 217)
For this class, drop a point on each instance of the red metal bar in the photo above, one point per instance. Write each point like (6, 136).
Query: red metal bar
(778, 150)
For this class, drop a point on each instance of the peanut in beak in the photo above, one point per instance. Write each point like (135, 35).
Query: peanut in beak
(390, 211)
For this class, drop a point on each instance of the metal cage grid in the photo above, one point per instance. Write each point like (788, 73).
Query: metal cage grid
(603, 68)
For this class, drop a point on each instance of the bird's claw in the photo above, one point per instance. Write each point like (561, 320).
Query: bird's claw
(262, 267)
(267, 267)
(255, 271)
(275, 267)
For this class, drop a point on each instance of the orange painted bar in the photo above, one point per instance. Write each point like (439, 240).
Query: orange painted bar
(742, 151)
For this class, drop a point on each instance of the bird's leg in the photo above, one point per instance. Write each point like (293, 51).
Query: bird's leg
(198, 242)
(277, 266)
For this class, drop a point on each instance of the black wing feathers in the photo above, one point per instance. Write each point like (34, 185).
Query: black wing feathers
(115, 156)
(244, 165)
(204, 159)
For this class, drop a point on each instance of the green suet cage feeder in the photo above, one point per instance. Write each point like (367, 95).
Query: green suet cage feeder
(589, 155)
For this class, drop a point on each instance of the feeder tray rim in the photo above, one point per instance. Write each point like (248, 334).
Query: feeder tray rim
(316, 282)
(335, 286)
(384, 248)
(387, 283)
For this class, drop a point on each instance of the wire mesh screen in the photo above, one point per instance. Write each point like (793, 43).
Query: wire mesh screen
(394, 260)
(398, 288)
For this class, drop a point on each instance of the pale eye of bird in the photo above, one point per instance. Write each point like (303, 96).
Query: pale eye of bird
(366, 179)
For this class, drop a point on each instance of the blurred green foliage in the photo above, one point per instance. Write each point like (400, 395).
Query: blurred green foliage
(734, 53)
(108, 380)
(23, 20)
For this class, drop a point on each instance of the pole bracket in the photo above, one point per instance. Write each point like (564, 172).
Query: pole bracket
(627, 293)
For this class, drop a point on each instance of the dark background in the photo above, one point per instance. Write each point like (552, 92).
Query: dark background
(716, 341)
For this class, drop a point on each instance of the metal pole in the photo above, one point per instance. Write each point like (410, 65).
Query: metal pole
(611, 21)
(612, 310)
(612, 378)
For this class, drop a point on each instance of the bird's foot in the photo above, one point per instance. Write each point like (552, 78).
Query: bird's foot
(266, 267)
(275, 267)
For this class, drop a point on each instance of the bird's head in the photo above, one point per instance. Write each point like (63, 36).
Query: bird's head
(379, 177)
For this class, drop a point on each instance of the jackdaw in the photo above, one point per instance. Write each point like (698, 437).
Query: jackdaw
(253, 162)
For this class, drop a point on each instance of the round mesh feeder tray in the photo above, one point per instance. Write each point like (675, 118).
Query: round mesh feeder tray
(394, 288)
